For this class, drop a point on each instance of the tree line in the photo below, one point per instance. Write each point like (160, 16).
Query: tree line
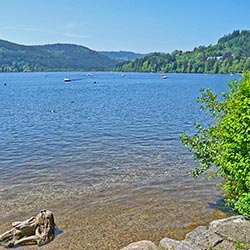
(53, 57)
(230, 55)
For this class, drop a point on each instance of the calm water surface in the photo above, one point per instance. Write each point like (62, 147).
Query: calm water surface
(106, 132)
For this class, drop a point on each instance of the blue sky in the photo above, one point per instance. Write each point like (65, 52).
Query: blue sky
(132, 25)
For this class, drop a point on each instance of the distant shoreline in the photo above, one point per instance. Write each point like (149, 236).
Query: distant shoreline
(229, 55)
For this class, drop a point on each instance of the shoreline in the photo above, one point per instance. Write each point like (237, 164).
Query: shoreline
(95, 221)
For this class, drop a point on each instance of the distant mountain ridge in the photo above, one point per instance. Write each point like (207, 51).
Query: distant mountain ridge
(52, 57)
(122, 56)
(231, 54)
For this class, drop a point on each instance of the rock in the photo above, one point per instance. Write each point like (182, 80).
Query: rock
(169, 244)
(203, 238)
(221, 233)
(141, 245)
(234, 229)
(198, 236)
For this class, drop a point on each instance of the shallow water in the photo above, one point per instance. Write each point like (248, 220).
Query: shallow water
(103, 143)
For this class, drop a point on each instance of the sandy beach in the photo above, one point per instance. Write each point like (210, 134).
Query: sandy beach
(113, 219)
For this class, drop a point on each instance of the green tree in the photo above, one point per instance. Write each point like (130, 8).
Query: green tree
(230, 55)
(225, 143)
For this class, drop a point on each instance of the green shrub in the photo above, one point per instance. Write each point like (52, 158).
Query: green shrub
(226, 142)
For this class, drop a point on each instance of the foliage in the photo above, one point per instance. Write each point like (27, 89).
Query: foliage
(54, 57)
(122, 56)
(226, 142)
(230, 55)
(240, 246)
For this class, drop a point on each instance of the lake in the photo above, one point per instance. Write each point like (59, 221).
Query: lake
(104, 149)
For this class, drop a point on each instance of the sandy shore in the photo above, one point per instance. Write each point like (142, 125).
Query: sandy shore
(113, 219)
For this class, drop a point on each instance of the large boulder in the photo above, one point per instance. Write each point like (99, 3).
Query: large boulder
(220, 234)
(236, 229)
(169, 244)
(223, 232)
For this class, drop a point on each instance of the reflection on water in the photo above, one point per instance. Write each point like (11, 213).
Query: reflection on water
(108, 137)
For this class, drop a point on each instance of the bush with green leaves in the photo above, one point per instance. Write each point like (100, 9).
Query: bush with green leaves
(225, 143)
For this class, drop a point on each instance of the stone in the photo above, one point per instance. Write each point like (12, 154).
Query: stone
(170, 244)
(234, 229)
(198, 236)
(141, 245)
(220, 234)
(202, 237)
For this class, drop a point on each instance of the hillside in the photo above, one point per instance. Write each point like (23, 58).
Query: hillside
(231, 54)
(122, 56)
(54, 57)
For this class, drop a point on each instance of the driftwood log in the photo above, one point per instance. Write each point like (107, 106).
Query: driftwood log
(36, 230)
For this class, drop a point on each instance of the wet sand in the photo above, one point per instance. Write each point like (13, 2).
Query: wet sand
(112, 219)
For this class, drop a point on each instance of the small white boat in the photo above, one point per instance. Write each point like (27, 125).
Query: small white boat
(164, 76)
(67, 79)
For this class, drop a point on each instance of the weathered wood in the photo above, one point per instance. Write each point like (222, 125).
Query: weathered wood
(35, 230)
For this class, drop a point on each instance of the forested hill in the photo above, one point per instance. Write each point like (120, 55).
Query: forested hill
(54, 57)
(231, 54)
(122, 56)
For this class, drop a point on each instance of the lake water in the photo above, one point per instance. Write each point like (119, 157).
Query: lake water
(99, 136)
